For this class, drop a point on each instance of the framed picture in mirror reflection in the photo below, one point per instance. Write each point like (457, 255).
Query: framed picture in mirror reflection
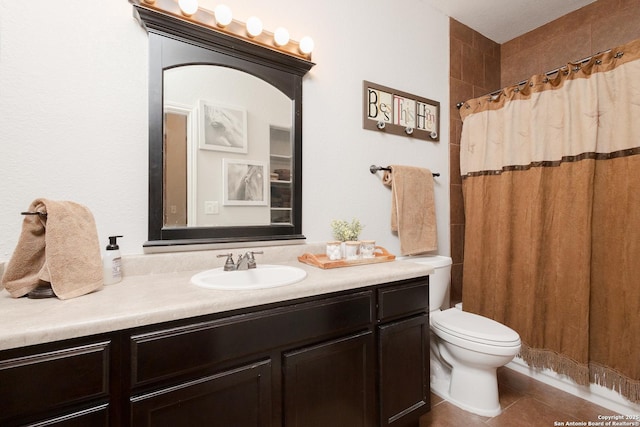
(222, 127)
(244, 182)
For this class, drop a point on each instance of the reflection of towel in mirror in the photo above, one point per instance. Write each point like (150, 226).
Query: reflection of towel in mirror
(61, 248)
(413, 214)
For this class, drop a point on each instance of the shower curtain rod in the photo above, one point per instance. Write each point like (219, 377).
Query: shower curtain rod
(548, 73)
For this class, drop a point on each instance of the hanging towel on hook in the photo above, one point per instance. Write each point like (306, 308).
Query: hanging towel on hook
(413, 213)
(60, 248)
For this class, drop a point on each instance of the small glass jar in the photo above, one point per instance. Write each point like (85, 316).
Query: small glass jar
(352, 250)
(334, 250)
(368, 248)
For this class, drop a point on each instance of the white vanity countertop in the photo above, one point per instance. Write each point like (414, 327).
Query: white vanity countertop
(146, 299)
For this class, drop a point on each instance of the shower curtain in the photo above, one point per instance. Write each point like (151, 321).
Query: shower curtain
(551, 186)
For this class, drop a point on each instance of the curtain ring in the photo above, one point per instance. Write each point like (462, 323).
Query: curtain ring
(545, 80)
(618, 55)
(598, 61)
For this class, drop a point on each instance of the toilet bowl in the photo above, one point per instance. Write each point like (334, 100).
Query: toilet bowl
(473, 347)
(466, 349)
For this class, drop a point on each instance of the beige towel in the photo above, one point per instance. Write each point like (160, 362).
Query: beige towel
(61, 248)
(413, 213)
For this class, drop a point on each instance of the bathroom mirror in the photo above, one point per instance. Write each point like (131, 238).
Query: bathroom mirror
(225, 136)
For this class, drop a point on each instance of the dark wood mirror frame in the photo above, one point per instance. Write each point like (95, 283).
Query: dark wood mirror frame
(174, 42)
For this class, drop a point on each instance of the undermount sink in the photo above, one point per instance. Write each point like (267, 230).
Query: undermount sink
(262, 277)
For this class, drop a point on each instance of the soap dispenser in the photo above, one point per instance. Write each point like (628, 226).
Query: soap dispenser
(111, 262)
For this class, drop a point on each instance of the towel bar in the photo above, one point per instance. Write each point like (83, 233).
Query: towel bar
(34, 213)
(374, 169)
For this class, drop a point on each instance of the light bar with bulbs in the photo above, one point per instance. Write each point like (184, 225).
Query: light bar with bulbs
(221, 19)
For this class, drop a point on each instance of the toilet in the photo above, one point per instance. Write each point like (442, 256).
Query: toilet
(466, 349)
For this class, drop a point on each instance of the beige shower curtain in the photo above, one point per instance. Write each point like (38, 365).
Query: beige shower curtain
(551, 183)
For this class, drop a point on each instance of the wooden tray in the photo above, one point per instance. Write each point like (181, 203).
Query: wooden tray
(322, 261)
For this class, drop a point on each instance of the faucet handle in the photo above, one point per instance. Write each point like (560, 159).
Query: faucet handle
(228, 264)
(252, 260)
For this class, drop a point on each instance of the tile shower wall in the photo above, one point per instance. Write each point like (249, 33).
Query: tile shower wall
(479, 66)
(599, 26)
(474, 71)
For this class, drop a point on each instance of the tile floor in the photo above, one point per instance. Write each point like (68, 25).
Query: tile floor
(525, 402)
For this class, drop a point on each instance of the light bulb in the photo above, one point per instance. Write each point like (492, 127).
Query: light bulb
(281, 36)
(223, 15)
(306, 45)
(188, 7)
(254, 26)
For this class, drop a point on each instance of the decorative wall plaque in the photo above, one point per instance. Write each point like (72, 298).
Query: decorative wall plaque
(399, 113)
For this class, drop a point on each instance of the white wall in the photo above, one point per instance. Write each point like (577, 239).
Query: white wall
(73, 109)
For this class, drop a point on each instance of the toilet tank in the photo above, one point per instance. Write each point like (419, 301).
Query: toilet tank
(439, 280)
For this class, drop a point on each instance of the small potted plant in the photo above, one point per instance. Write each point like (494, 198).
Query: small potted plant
(344, 231)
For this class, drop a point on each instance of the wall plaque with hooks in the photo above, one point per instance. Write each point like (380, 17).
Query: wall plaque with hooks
(399, 113)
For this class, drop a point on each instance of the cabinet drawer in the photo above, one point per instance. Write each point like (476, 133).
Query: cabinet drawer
(198, 347)
(403, 299)
(36, 382)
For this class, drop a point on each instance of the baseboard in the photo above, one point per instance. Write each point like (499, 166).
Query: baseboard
(594, 393)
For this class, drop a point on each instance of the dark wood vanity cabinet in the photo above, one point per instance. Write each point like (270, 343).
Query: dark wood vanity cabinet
(331, 383)
(69, 383)
(244, 368)
(403, 353)
(235, 397)
(349, 359)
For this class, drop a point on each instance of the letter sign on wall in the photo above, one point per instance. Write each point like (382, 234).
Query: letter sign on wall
(399, 113)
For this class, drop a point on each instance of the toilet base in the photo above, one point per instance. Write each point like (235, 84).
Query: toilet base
(470, 389)
(441, 389)
(490, 405)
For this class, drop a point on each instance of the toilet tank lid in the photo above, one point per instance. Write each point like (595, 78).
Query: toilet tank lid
(436, 261)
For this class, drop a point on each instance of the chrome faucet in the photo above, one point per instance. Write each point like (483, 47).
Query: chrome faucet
(245, 262)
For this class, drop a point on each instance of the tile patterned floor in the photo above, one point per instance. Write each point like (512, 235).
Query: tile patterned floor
(525, 402)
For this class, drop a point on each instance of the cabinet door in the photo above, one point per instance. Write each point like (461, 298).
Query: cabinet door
(331, 384)
(94, 417)
(239, 397)
(53, 380)
(404, 371)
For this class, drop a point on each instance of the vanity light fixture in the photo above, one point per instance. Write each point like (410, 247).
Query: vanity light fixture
(306, 45)
(254, 26)
(188, 7)
(221, 20)
(223, 15)
(281, 36)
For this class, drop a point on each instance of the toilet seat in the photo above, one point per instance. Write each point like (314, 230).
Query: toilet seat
(472, 327)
